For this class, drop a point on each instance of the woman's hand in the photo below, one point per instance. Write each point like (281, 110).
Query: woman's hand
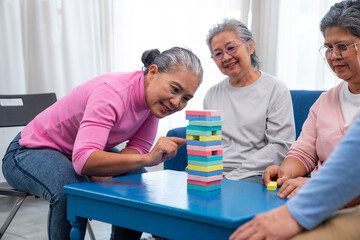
(165, 148)
(274, 173)
(291, 186)
(276, 224)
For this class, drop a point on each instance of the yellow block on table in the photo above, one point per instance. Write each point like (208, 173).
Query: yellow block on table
(272, 186)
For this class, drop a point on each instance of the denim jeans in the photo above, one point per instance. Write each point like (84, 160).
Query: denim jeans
(44, 172)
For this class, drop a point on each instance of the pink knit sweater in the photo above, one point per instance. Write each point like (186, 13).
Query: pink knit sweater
(97, 115)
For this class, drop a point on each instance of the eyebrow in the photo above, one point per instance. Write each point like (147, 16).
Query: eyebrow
(226, 44)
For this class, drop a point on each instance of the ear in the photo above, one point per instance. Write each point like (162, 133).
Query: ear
(251, 46)
(152, 72)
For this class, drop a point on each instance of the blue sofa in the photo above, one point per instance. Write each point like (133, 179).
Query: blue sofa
(302, 101)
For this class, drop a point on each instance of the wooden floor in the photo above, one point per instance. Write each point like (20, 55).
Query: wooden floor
(30, 221)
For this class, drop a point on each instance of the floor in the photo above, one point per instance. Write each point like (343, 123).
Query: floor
(30, 221)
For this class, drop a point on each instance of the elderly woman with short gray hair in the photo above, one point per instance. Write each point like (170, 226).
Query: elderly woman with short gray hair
(256, 108)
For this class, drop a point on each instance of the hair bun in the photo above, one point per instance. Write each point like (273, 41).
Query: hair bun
(149, 56)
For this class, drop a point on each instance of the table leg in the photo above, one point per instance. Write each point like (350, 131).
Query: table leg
(78, 229)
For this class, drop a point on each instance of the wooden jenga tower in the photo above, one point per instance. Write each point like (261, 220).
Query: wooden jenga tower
(204, 149)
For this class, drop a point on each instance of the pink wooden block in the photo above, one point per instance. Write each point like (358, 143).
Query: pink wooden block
(203, 148)
(205, 179)
(205, 184)
(199, 153)
(204, 113)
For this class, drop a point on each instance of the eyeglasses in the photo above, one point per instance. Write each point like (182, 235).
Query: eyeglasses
(218, 55)
(341, 50)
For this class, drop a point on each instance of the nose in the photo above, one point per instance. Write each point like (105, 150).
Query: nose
(226, 56)
(335, 54)
(175, 101)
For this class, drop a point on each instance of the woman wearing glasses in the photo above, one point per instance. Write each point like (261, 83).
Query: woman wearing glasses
(256, 108)
(337, 182)
(333, 113)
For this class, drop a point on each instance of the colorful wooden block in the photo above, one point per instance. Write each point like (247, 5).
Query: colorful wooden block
(206, 123)
(204, 128)
(191, 137)
(204, 189)
(204, 178)
(205, 164)
(199, 133)
(203, 118)
(205, 184)
(205, 159)
(205, 169)
(202, 143)
(203, 149)
(272, 186)
(204, 153)
(209, 138)
(203, 112)
(205, 174)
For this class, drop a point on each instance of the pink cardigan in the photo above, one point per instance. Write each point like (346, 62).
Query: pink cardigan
(321, 132)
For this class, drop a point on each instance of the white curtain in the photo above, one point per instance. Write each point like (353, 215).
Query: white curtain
(264, 26)
(298, 62)
(52, 46)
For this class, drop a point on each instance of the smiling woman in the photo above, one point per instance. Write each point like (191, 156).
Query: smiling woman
(256, 108)
(74, 139)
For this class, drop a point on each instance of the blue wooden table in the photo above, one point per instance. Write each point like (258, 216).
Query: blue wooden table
(160, 203)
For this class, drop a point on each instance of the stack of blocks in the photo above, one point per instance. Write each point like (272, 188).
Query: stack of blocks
(204, 149)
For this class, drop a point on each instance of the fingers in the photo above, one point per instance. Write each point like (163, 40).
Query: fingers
(178, 141)
(286, 189)
(271, 173)
(291, 186)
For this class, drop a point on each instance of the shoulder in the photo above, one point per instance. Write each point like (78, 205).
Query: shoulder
(273, 81)
(218, 88)
(332, 94)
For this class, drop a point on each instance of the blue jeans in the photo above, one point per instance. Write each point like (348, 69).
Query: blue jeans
(44, 172)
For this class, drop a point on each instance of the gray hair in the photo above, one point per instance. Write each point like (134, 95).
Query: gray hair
(240, 29)
(345, 14)
(173, 59)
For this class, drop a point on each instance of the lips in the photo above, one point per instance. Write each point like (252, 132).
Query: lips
(338, 66)
(230, 65)
(165, 109)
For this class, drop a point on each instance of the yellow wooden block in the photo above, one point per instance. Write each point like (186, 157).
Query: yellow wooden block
(210, 138)
(272, 186)
(191, 137)
(205, 169)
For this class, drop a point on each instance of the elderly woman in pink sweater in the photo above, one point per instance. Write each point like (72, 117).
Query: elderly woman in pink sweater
(75, 137)
(334, 111)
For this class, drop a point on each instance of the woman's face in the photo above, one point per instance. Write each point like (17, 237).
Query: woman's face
(170, 92)
(234, 65)
(346, 68)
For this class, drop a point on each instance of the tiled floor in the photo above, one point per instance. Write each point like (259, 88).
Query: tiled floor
(31, 219)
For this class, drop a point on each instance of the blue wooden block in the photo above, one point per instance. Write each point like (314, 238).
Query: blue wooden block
(203, 128)
(203, 188)
(205, 159)
(203, 118)
(201, 143)
(205, 174)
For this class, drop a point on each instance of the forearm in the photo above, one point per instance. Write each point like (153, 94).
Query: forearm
(293, 167)
(102, 163)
